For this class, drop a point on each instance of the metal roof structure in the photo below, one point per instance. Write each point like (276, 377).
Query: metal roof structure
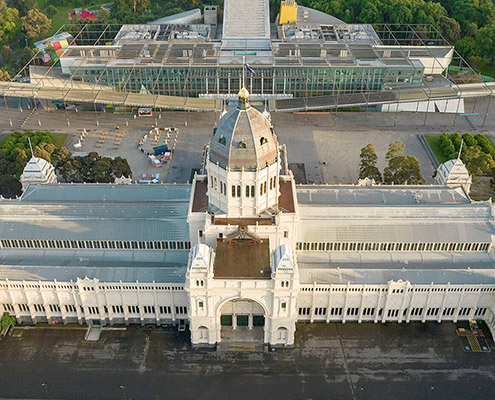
(107, 266)
(380, 194)
(95, 221)
(239, 23)
(380, 276)
(388, 214)
(98, 212)
(82, 192)
(379, 268)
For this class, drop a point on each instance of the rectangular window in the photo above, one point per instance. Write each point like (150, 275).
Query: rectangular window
(238, 190)
(252, 190)
(247, 191)
(165, 310)
(8, 308)
(233, 190)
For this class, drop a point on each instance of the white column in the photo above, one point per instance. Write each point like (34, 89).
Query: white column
(427, 305)
(172, 303)
(62, 311)
(459, 304)
(124, 305)
(360, 316)
(29, 303)
(76, 302)
(97, 291)
(329, 302)
(109, 308)
(312, 309)
(401, 311)
(471, 316)
(445, 294)
(157, 307)
(141, 316)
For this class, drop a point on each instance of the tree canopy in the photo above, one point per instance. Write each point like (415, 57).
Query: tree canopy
(6, 321)
(9, 24)
(23, 6)
(401, 169)
(36, 24)
(367, 167)
(92, 168)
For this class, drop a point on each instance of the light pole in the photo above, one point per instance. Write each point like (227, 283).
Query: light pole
(123, 391)
(46, 389)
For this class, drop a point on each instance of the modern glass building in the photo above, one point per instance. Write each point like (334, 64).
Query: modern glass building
(316, 55)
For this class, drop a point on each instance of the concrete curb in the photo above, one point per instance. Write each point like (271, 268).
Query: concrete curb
(429, 151)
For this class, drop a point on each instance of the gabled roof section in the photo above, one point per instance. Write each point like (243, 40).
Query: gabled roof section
(454, 170)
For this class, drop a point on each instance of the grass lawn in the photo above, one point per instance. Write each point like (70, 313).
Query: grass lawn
(59, 139)
(62, 15)
(488, 69)
(434, 142)
(58, 142)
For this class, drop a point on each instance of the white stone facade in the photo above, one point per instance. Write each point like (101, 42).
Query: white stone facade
(244, 249)
(243, 193)
(37, 172)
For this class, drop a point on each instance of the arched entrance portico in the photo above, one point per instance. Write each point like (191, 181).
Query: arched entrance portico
(242, 320)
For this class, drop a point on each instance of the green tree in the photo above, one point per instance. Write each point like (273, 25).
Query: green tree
(120, 168)
(9, 24)
(476, 62)
(401, 169)
(36, 24)
(481, 12)
(51, 11)
(450, 29)
(7, 54)
(26, 56)
(468, 47)
(4, 75)
(485, 38)
(103, 15)
(6, 321)
(469, 140)
(478, 162)
(23, 6)
(140, 5)
(367, 167)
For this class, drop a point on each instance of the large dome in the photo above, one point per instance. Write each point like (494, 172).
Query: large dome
(243, 138)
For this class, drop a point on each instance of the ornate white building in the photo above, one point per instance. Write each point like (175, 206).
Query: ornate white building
(453, 173)
(244, 253)
(38, 171)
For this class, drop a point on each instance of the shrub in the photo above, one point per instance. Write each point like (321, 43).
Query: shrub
(51, 10)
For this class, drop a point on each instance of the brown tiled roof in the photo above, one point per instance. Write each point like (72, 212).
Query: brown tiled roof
(286, 199)
(242, 259)
(200, 200)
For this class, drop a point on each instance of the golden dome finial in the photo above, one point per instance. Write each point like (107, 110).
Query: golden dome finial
(243, 94)
(243, 98)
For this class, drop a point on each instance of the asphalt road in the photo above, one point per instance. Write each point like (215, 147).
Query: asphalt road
(335, 361)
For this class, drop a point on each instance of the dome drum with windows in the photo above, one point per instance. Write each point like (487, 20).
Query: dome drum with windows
(243, 138)
(243, 162)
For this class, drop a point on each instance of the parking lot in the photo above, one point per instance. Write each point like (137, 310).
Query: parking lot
(347, 361)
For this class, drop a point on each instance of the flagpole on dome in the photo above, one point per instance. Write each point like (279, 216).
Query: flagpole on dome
(243, 71)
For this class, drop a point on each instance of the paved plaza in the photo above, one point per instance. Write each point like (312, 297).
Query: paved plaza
(322, 148)
(347, 361)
